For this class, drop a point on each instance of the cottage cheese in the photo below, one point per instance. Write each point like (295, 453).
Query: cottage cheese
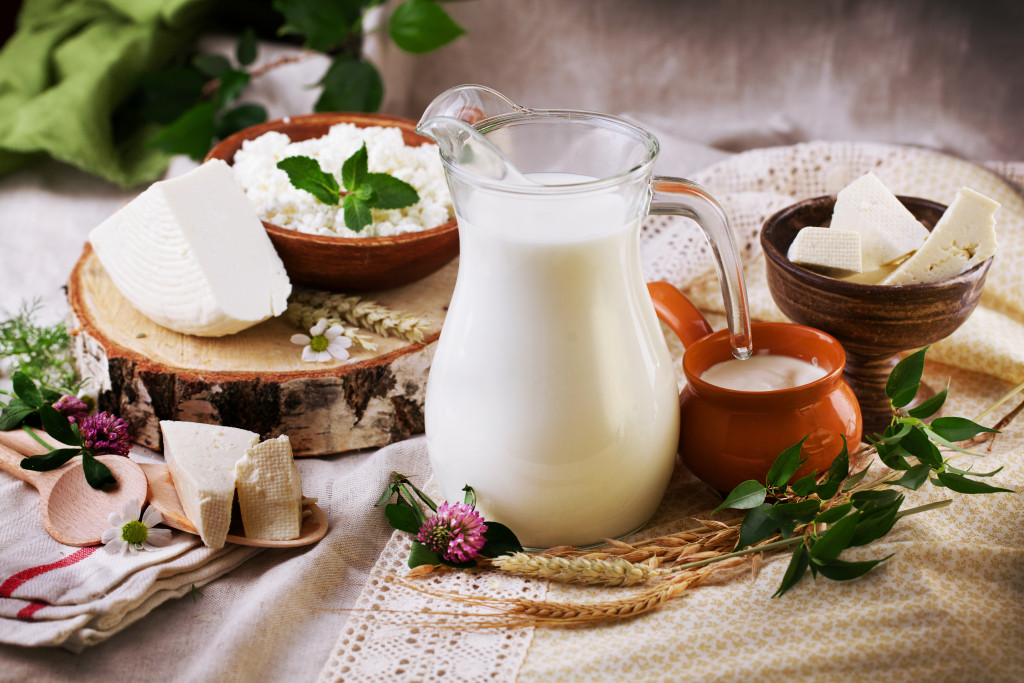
(278, 202)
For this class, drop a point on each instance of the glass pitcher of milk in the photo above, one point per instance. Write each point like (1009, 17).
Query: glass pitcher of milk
(551, 392)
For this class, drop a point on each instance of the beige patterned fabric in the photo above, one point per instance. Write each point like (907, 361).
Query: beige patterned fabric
(945, 607)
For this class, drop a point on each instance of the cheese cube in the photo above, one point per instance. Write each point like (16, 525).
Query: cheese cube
(191, 254)
(827, 248)
(201, 459)
(888, 231)
(270, 491)
(964, 237)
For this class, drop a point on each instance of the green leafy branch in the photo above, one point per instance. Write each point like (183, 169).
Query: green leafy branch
(363, 190)
(42, 352)
(823, 517)
(406, 514)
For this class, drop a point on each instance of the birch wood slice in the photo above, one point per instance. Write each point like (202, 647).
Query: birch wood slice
(254, 379)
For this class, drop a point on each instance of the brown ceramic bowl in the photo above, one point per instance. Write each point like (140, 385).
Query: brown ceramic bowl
(350, 264)
(872, 322)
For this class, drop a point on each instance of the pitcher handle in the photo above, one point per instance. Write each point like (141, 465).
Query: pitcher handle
(679, 197)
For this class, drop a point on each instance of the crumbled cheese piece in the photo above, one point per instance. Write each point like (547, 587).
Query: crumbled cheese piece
(201, 459)
(190, 254)
(277, 201)
(270, 491)
(827, 248)
(887, 229)
(964, 237)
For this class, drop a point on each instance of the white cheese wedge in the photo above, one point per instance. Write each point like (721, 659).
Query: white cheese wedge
(202, 459)
(888, 231)
(270, 491)
(827, 248)
(190, 254)
(964, 237)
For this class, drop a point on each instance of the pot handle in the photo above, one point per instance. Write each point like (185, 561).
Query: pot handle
(678, 312)
(679, 197)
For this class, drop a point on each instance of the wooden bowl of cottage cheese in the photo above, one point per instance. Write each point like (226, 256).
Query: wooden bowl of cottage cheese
(318, 251)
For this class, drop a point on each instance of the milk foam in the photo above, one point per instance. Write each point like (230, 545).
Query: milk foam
(763, 372)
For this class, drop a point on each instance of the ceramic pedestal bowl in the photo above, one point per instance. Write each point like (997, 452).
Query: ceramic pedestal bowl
(874, 323)
(350, 264)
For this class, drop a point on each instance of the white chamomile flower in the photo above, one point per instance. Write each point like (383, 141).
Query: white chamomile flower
(323, 342)
(128, 534)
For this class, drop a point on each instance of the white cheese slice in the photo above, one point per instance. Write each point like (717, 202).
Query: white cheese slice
(191, 254)
(270, 491)
(202, 459)
(827, 248)
(964, 237)
(888, 231)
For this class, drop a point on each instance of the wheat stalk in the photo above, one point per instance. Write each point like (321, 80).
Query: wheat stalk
(307, 306)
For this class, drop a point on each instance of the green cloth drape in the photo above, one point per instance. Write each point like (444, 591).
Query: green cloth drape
(67, 67)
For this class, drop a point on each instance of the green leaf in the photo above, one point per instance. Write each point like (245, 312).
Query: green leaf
(357, 213)
(240, 117)
(350, 85)
(211, 66)
(914, 477)
(785, 465)
(305, 174)
(801, 511)
(402, 517)
(353, 171)
(245, 51)
(324, 23)
(905, 379)
(920, 446)
(805, 485)
(892, 454)
(389, 491)
(958, 428)
(470, 498)
(391, 192)
(232, 83)
(876, 524)
(798, 564)
(961, 484)
(14, 413)
(856, 478)
(499, 540)
(836, 539)
(25, 389)
(57, 426)
(191, 133)
(49, 461)
(942, 441)
(97, 474)
(892, 435)
(840, 570)
(833, 514)
(971, 473)
(867, 501)
(419, 26)
(746, 495)
(837, 472)
(421, 554)
(756, 527)
(930, 406)
(166, 94)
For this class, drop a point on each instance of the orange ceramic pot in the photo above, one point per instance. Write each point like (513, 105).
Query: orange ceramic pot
(728, 436)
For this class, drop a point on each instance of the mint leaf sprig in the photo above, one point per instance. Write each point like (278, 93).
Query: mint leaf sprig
(406, 514)
(823, 517)
(363, 190)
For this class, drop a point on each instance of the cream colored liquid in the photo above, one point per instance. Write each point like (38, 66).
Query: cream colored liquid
(552, 392)
(763, 373)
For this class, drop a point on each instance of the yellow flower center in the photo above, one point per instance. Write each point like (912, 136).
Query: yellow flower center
(318, 343)
(134, 532)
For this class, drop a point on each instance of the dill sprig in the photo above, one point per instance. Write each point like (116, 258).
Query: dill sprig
(43, 352)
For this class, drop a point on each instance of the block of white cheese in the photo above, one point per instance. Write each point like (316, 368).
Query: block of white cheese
(191, 254)
(201, 459)
(270, 491)
(827, 248)
(888, 231)
(964, 237)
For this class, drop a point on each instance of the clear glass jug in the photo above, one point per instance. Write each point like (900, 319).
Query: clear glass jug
(551, 392)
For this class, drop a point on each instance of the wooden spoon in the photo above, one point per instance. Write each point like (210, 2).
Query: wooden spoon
(75, 513)
(164, 498)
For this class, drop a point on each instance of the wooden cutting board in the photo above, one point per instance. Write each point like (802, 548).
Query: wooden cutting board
(255, 379)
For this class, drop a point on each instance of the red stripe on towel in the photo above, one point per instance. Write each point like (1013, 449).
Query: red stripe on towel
(27, 611)
(12, 584)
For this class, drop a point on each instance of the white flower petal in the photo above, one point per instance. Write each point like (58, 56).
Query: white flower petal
(115, 519)
(151, 517)
(132, 548)
(337, 350)
(158, 537)
(300, 339)
(334, 331)
(109, 534)
(322, 356)
(309, 355)
(319, 328)
(131, 509)
(344, 341)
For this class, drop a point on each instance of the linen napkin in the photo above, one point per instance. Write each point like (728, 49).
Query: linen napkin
(67, 68)
(53, 594)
